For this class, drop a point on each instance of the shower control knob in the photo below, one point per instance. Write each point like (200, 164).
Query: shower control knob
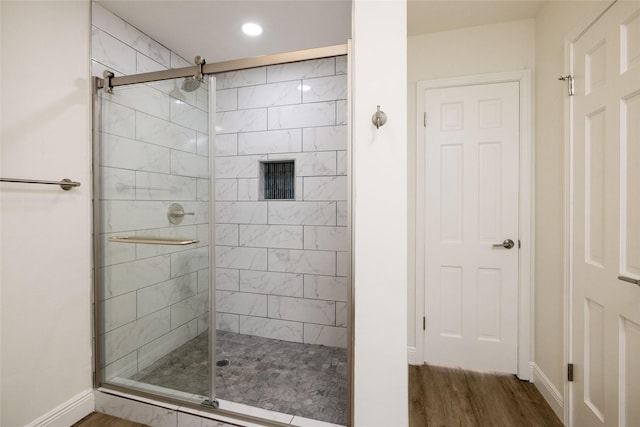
(176, 213)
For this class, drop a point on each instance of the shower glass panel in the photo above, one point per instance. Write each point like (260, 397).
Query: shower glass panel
(152, 234)
(282, 247)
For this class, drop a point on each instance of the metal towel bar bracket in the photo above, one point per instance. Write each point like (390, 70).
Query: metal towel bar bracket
(66, 184)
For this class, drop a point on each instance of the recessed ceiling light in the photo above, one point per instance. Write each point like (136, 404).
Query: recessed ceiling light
(252, 29)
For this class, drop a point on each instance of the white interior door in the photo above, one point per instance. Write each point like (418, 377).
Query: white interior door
(471, 208)
(606, 221)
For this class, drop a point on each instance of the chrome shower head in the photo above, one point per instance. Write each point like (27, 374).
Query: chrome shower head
(193, 83)
(190, 84)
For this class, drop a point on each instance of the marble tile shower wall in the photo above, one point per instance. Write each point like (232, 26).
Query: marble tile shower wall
(154, 152)
(281, 266)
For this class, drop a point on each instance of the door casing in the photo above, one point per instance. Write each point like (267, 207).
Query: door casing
(525, 209)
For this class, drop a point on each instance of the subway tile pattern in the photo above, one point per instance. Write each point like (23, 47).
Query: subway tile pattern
(282, 265)
(154, 151)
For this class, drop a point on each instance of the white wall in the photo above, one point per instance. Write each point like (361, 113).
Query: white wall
(380, 212)
(45, 260)
(477, 50)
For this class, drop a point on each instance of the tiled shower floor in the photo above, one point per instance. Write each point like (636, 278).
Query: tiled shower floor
(298, 379)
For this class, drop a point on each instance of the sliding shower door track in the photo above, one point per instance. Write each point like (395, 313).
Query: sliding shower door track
(220, 67)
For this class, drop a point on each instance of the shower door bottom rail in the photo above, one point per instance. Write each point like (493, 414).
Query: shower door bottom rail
(153, 240)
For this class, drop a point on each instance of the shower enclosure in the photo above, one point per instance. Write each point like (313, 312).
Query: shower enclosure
(222, 238)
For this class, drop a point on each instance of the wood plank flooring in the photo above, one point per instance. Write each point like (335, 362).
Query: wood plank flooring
(97, 419)
(450, 397)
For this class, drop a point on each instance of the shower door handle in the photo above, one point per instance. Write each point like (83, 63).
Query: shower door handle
(154, 240)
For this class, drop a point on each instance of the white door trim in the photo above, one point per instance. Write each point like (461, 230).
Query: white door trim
(526, 206)
(571, 38)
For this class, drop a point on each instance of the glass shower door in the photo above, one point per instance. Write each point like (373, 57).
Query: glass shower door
(152, 181)
(223, 264)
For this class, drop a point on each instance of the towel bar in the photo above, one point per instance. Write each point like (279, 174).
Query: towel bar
(66, 184)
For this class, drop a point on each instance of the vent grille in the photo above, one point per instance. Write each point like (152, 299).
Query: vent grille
(278, 180)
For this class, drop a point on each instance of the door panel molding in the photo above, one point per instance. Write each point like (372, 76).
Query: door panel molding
(526, 209)
(597, 19)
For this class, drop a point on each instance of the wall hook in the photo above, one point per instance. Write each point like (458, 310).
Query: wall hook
(379, 118)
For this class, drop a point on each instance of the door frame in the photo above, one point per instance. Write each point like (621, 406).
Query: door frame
(571, 38)
(525, 211)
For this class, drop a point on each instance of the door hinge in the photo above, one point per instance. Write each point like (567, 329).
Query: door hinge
(519, 245)
(424, 323)
(570, 372)
(425, 119)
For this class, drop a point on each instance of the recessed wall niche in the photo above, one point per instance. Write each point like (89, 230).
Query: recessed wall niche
(277, 180)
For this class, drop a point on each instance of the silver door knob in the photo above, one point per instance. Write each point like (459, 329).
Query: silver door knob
(507, 244)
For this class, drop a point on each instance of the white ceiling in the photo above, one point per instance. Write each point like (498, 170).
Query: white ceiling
(211, 28)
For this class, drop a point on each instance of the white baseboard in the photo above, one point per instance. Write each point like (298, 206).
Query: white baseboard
(549, 391)
(412, 356)
(68, 413)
